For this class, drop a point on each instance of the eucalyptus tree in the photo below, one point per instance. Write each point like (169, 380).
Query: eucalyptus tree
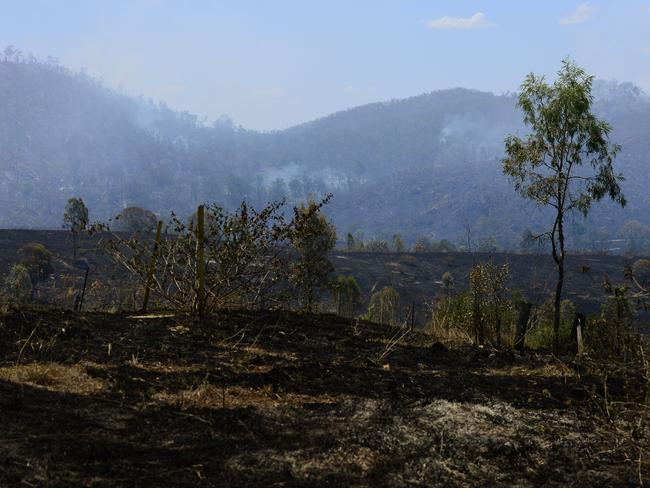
(75, 218)
(567, 161)
(312, 238)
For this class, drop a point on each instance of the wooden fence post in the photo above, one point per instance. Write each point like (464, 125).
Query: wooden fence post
(83, 290)
(200, 259)
(152, 267)
(576, 332)
(522, 324)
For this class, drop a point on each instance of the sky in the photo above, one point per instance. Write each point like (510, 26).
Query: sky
(272, 64)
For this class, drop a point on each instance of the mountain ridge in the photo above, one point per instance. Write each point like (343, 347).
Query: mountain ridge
(64, 134)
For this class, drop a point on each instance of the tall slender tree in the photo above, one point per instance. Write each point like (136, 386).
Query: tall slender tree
(567, 161)
(312, 238)
(75, 218)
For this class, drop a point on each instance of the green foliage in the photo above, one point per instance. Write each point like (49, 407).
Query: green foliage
(383, 307)
(246, 259)
(487, 289)
(541, 334)
(451, 318)
(350, 242)
(126, 299)
(616, 322)
(382, 151)
(376, 245)
(135, 219)
(488, 244)
(448, 284)
(312, 237)
(75, 218)
(37, 259)
(422, 244)
(443, 246)
(398, 243)
(548, 167)
(348, 295)
(18, 284)
(565, 134)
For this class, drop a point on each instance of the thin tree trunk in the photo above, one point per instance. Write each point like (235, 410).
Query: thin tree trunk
(559, 261)
(478, 326)
(498, 325)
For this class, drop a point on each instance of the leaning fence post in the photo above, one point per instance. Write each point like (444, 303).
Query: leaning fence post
(200, 260)
(83, 290)
(152, 267)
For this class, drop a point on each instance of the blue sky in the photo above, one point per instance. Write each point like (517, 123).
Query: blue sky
(272, 64)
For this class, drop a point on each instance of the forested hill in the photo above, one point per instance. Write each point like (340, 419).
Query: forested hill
(427, 165)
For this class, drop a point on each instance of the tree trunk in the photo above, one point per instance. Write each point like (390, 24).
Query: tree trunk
(498, 326)
(200, 259)
(478, 326)
(74, 246)
(559, 261)
(556, 310)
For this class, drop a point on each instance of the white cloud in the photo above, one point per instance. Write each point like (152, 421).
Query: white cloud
(579, 15)
(476, 20)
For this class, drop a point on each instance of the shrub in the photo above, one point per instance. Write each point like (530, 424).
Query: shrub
(422, 244)
(246, 258)
(541, 335)
(487, 288)
(135, 219)
(18, 284)
(383, 306)
(75, 218)
(312, 237)
(348, 295)
(38, 262)
(376, 245)
(398, 243)
(451, 318)
(448, 283)
(612, 333)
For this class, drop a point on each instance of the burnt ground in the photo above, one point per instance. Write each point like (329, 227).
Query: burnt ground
(416, 276)
(285, 399)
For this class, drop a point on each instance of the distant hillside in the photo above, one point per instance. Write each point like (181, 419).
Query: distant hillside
(427, 165)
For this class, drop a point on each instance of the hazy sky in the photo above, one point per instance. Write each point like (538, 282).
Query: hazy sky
(272, 64)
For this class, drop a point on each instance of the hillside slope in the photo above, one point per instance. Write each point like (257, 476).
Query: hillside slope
(426, 165)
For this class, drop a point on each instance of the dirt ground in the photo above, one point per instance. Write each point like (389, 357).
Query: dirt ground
(286, 399)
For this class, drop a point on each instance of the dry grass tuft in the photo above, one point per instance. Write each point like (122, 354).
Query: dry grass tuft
(55, 377)
(211, 396)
